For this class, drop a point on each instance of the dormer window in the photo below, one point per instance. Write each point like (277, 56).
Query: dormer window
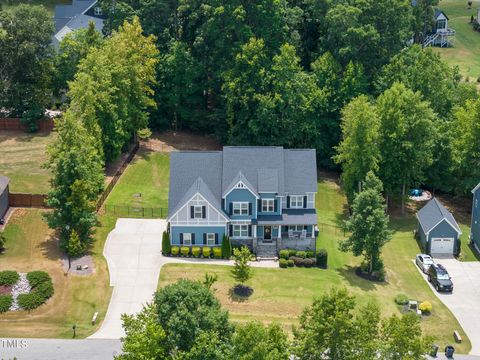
(296, 201)
(268, 205)
(97, 10)
(240, 208)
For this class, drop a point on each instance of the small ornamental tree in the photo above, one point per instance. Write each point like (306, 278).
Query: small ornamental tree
(75, 247)
(166, 246)
(3, 240)
(242, 271)
(226, 247)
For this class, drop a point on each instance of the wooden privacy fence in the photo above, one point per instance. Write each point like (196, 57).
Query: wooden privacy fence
(45, 125)
(27, 200)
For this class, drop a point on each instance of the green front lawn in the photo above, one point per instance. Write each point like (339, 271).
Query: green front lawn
(144, 183)
(281, 294)
(466, 50)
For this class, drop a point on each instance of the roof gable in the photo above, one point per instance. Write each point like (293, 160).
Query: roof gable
(433, 213)
(474, 190)
(240, 182)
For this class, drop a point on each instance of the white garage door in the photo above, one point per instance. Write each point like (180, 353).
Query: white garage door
(442, 246)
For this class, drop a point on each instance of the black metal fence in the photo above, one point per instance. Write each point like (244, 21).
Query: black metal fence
(136, 211)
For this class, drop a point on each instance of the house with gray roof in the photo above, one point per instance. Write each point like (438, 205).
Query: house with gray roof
(437, 230)
(75, 16)
(4, 181)
(262, 197)
(475, 224)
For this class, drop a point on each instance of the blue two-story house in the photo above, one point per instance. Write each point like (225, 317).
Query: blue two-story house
(262, 197)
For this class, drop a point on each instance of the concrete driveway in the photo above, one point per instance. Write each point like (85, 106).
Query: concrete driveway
(464, 302)
(133, 253)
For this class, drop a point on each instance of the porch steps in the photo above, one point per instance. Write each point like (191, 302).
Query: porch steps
(266, 251)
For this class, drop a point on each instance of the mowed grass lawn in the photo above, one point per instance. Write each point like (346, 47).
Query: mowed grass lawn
(30, 246)
(144, 183)
(281, 294)
(466, 51)
(49, 4)
(22, 157)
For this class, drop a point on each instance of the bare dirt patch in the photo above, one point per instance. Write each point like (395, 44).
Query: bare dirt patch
(169, 141)
(5, 290)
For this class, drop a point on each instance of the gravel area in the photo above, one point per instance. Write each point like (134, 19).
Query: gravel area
(80, 266)
(21, 287)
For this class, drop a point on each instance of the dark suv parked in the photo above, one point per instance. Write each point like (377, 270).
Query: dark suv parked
(439, 278)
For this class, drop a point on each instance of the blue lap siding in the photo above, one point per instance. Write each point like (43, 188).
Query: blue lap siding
(241, 195)
(442, 230)
(175, 232)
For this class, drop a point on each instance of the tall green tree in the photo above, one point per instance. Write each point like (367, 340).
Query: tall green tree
(26, 59)
(77, 180)
(423, 21)
(358, 151)
(406, 135)
(368, 224)
(242, 271)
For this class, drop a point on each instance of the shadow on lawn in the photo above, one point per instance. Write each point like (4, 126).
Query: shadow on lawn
(50, 248)
(240, 293)
(348, 273)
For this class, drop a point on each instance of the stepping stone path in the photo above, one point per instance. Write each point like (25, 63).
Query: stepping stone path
(21, 287)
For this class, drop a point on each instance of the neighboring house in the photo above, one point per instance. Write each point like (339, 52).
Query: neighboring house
(475, 225)
(441, 35)
(3, 195)
(262, 197)
(76, 16)
(438, 231)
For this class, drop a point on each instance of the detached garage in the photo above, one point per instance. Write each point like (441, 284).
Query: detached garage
(437, 229)
(3, 195)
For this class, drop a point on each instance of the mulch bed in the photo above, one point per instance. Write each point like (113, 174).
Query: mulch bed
(367, 276)
(5, 290)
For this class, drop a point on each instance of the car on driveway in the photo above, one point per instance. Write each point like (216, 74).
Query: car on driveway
(439, 278)
(424, 262)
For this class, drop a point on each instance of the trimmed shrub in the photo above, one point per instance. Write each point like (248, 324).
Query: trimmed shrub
(185, 250)
(401, 299)
(226, 247)
(196, 250)
(301, 254)
(45, 290)
(35, 278)
(310, 254)
(9, 277)
(425, 307)
(175, 250)
(206, 251)
(322, 258)
(30, 301)
(292, 252)
(290, 263)
(301, 262)
(283, 263)
(5, 302)
(283, 254)
(166, 246)
(309, 262)
(217, 252)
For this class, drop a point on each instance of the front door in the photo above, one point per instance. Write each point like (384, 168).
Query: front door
(267, 233)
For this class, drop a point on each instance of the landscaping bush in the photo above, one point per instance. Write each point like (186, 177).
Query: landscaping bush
(283, 263)
(196, 250)
(166, 246)
(283, 254)
(301, 254)
(425, 307)
(30, 301)
(45, 290)
(185, 250)
(5, 302)
(322, 258)
(310, 254)
(226, 247)
(217, 252)
(206, 251)
(303, 262)
(401, 299)
(35, 278)
(175, 250)
(292, 252)
(290, 263)
(309, 262)
(8, 277)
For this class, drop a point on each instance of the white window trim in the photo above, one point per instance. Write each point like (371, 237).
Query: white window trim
(97, 11)
(243, 230)
(195, 208)
(188, 239)
(211, 239)
(298, 204)
(267, 204)
(296, 228)
(241, 209)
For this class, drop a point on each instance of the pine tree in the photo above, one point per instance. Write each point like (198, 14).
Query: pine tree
(226, 247)
(166, 246)
(75, 248)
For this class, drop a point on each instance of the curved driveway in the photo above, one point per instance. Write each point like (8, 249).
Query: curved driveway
(133, 253)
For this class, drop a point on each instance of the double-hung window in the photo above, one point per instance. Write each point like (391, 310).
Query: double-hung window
(240, 230)
(210, 239)
(240, 208)
(268, 205)
(296, 201)
(197, 212)
(187, 239)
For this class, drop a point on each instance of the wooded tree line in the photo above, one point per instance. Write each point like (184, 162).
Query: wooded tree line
(185, 321)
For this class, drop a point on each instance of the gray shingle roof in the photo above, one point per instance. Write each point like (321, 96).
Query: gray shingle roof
(3, 183)
(433, 213)
(290, 217)
(264, 169)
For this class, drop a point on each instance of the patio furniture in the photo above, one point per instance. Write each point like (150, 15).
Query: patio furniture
(290, 234)
(303, 235)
